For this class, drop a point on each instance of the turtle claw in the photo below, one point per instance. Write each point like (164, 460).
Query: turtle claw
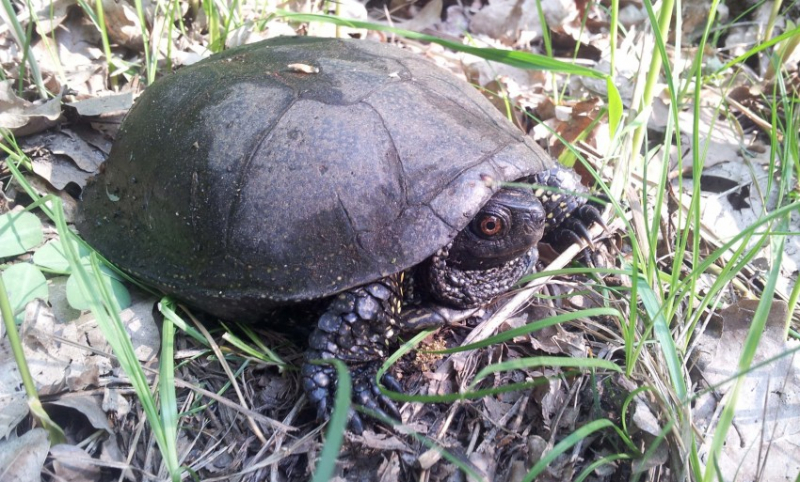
(578, 227)
(575, 228)
(317, 382)
(368, 394)
(589, 213)
(378, 404)
(572, 231)
(356, 423)
(391, 383)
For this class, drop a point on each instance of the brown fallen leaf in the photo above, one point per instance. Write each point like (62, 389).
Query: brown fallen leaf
(507, 21)
(123, 24)
(59, 171)
(13, 403)
(72, 55)
(40, 333)
(73, 464)
(87, 405)
(104, 104)
(762, 444)
(63, 157)
(50, 14)
(22, 458)
(23, 118)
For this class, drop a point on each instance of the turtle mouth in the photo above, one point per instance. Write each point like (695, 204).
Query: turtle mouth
(470, 288)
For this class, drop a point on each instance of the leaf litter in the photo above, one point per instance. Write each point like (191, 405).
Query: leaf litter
(502, 435)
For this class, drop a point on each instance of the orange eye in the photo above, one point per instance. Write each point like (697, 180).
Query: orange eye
(491, 225)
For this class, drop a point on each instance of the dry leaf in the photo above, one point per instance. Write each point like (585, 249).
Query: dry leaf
(111, 453)
(53, 359)
(644, 419)
(123, 24)
(115, 403)
(389, 471)
(725, 215)
(10, 55)
(430, 15)
(346, 9)
(504, 19)
(22, 458)
(43, 188)
(495, 409)
(141, 326)
(73, 464)
(720, 140)
(62, 157)
(74, 57)
(87, 405)
(764, 444)
(13, 403)
(50, 14)
(59, 171)
(485, 465)
(382, 441)
(22, 117)
(103, 105)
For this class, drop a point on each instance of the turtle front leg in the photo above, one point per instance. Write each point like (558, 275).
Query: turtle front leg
(569, 215)
(360, 328)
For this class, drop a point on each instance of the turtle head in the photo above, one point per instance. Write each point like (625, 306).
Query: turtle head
(491, 253)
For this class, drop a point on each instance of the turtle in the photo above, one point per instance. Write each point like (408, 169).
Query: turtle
(350, 173)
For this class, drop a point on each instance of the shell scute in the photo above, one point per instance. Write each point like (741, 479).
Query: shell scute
(257, 183)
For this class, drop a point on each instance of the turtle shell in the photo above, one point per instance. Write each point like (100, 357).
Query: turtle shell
(295, 168)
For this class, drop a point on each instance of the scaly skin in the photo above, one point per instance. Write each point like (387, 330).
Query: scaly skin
(568, 213)
(361, 326)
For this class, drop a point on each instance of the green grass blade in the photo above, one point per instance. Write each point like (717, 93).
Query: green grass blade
(430, 444)
(334, 435)
(166, 391)
(663, 335)
(167, 308)
(757, 49)
(535, 326)
(546, 361)
(523, 60)
(748, 353)
(23, 41)
(615, 107)
(54, 431)
(571, 440)
(608, 459)
(101, 303)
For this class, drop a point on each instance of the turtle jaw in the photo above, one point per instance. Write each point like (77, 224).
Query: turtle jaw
(465, 288)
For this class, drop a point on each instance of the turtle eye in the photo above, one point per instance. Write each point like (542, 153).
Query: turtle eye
(489, 225)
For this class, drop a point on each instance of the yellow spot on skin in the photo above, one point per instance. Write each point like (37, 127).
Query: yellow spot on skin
(550, 216)
(539, 192)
